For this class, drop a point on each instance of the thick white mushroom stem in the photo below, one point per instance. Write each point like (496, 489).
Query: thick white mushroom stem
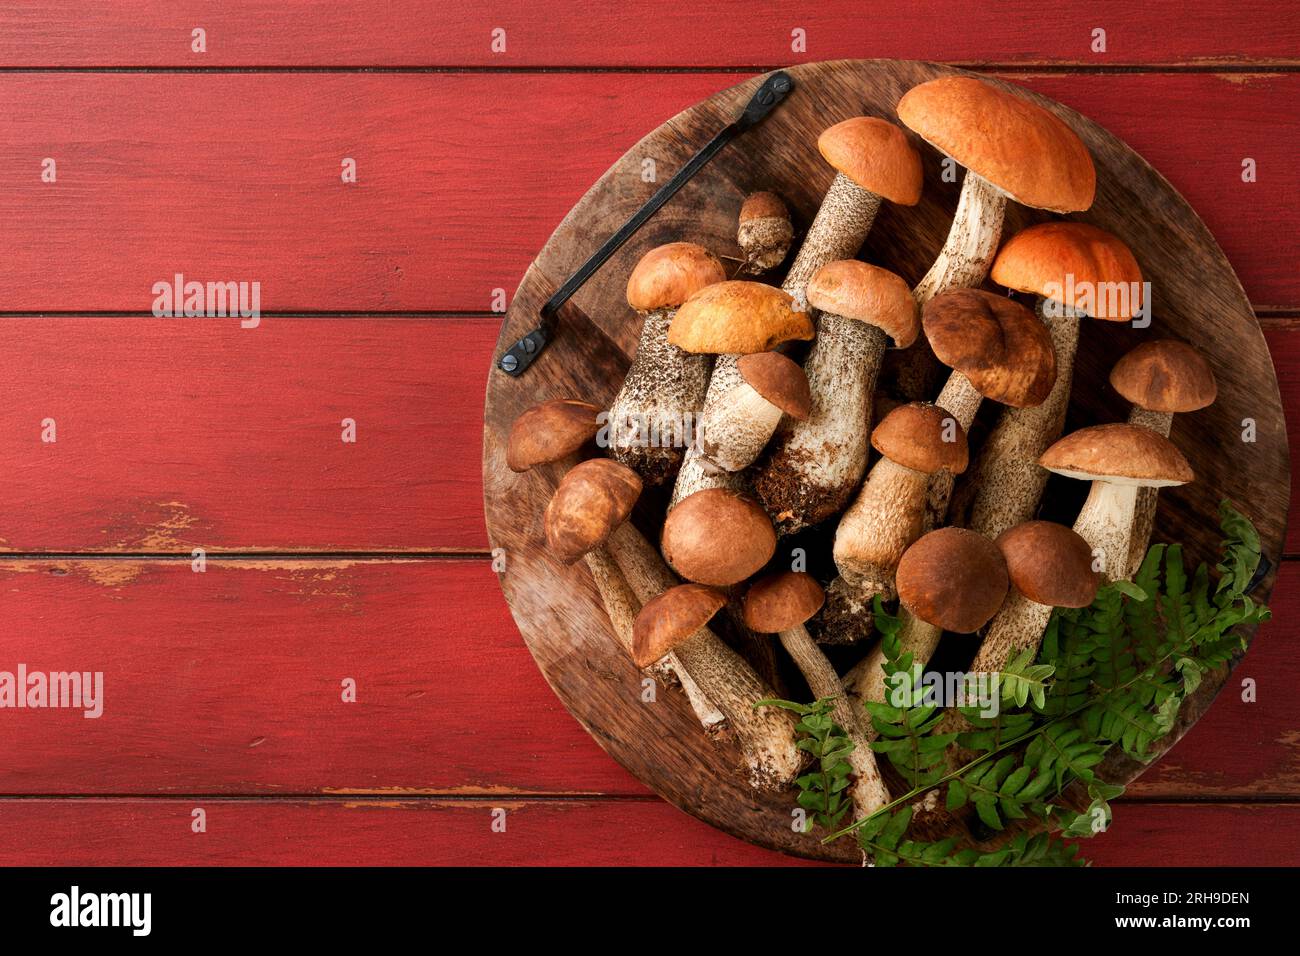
(1106, 523)
(698, 472)
(967, 253)
(838, 231)
(765, 735)
(1007, 480)
(816, 463)
(869, 793)
(877, 528)
(652, 417)
(736, 428)
(622, 606)
(866, 680)
(1144, 510)
(962, 401)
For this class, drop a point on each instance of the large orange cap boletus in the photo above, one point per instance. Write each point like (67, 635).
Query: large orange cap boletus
(718, 537)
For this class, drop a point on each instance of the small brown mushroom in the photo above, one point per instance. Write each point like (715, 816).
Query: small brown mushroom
(873, 160)
(736, 428)
(997, 349)
(729, 319)
(589, 510)
(1063, 264)
(667, 620)
(915, 441)
(949, 580)
(1011, 149)
(651, 419)
(815, 463)
(1161, 378)
(764, 232)
(1118, 460)
(780, 604)
(718, 537)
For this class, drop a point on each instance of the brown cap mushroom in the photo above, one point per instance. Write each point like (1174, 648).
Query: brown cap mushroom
(1016, 145)
(913, 436)
(1165, 376)
(549, 431)
(592, 500)
(1121, 454)
(781, 601)
(777, 379)
(668, 275)
(856, 290)
(718, 537)
(738, 317)
(1049, 564)
(1000, 346)
(764, 231)
(876, 155)
(664, 622)
(953, 579)
(1073, 262)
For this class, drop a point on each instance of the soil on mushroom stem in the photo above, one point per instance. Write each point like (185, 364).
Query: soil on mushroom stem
(785, 484)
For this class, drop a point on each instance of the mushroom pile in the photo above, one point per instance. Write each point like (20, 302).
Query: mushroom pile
(752, 406)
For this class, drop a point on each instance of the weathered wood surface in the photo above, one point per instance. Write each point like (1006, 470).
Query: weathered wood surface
(1196, 296)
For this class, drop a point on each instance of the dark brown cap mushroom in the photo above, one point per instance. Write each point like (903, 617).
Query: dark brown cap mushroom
(1016, 145)
(1073, 263)
(781, 601)
(1049, 563)
(592, 500)
(1120, 454)
(953, 579)
(668, 275)
(876, 155)
(1165, 376)
(664, 622)
(549, 431)
(738, 317)
(779, 380)
(913, 436)
(999, 345)
(856, 290)
(718, 537)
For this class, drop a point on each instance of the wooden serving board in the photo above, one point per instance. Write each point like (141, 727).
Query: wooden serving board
(1196, 297)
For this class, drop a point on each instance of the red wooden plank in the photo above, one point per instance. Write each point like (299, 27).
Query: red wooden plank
(462, 177)
(182, 433)
(1284, 343)
(635, 33)
(569, 833)
(230, 681)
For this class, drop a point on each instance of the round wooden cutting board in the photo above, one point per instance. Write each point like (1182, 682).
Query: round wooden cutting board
(1196, 297)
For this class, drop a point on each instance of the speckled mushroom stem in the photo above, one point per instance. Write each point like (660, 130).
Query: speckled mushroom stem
(651, 421)
(1144, 510)
(967, 253)
(1017, 627)
(1007, 480)
(698, 472)
(869, 792)
(734, 429)
(866, 680)
(816, 464)
(766, 735)
(1106, 523)
(622, 606)
(838, 231)
(961, 401)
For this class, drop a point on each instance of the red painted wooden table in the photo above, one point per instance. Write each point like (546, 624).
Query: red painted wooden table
(331, 564)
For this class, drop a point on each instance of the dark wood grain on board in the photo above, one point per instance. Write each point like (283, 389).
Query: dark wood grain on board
(237, 177)
(1192, 281)
(401, 831)
(636, 33)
